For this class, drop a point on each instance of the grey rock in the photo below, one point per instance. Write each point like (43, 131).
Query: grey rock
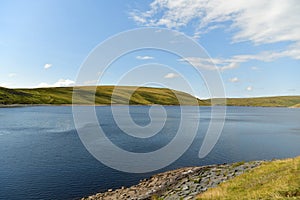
(185, 187)
(184, 183)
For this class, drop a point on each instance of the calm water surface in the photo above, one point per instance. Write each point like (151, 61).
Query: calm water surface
(42, 157)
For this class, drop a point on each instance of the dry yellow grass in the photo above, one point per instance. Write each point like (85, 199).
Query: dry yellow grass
(278, 179)
(296, 106)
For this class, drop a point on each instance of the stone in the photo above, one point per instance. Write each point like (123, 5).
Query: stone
(185, 187)
(184, 183)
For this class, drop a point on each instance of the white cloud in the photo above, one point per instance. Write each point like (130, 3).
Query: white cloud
(198, 33)
(91, 82)
(234, 62)
(171, 75)
(47, 66)
(11, 75)
(249, 88)
(232, 65)
(234, 80)
(212, 63)
(59, 83)
(258, 21)
(5, 84)
(138, 19)
(144, 57)
(254, 68)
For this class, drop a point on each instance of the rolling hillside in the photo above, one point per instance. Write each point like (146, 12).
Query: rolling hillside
(63, 95)
(142, 96)
(279, 101)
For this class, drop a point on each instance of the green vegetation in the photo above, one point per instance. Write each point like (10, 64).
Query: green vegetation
(237, 164)
(140, 96)
(282, 101)
(279, 179)
(103, 95)
(296, 106)
(155, 197)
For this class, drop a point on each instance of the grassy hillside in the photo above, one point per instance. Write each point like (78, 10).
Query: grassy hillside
(63, 95)
(278, 101)
(282, 101)
(296, 106)
(142, 96)
(278, 179)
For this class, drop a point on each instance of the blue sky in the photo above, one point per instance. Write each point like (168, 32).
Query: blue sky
(255, 45)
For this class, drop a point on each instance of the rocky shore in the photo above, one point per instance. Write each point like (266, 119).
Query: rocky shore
(184, 183)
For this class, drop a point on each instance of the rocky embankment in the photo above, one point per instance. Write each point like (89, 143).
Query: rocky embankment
(183, 183)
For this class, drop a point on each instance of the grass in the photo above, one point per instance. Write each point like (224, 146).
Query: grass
(296, 105)
(103, 95)
(279, 101)
(234, 165)
(140, 96)
(155, 197)
(279, 179)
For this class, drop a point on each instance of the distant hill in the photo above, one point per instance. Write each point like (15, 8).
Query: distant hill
(141, 96)
(278, 101)
(63, 96)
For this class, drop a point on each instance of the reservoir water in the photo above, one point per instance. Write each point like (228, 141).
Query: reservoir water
(42, 157)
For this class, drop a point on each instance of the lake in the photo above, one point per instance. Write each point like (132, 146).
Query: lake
(42, 157)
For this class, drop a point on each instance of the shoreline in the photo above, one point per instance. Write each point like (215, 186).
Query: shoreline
(184, 183)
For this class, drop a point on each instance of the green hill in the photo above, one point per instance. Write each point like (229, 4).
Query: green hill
(141, 96)
(63, 95)
(279, 101)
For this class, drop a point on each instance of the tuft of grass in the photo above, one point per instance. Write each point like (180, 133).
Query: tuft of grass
(155, 197)
(279, 179)
(237, 164)
(197, 180)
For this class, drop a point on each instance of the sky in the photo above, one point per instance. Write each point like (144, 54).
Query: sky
(255, 45)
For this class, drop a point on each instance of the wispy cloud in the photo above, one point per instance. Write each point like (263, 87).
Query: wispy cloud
(11, 75)
(258, 21)
(234, 80)
(47, 66)
(198, 33)
(231, 65)
(171, 75)
(5, 84)
(234, 62)
(144, 57)
(59, 83)
(91, 82)
(212, 63)
(139, 19)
